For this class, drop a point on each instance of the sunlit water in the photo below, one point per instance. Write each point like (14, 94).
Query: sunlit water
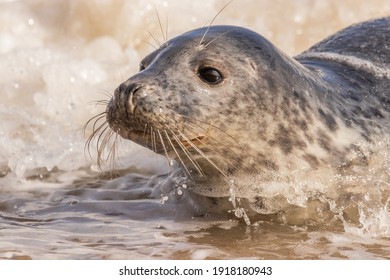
(57, 57)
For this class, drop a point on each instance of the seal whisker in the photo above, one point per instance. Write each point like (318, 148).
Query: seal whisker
(187, 153)
(183, 148)
(94, 133)
(177, 154)
(96, 119)
(213, 148)
(164, 147)
(106, 93)
(155, 40)
(153, 138)
(212, 21)
(100, 132)
(196, 148)
(192, 120)
(150, 44)
(161, 27)
(103, 102)
(166, 30)
(104, 142)
(112, 153)
(100, 142)
(219, 36)
(146, 135)
(199, 139)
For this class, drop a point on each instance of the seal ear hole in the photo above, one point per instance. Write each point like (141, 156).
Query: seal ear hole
(210, 75)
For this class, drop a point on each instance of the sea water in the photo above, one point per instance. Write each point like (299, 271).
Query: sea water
(59, 57)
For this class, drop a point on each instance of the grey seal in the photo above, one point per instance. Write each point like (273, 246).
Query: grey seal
(234, 110)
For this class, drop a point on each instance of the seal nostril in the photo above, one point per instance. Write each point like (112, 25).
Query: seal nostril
(129, 93)
(131, 101)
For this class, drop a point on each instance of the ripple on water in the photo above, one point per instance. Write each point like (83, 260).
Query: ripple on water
(98, 219)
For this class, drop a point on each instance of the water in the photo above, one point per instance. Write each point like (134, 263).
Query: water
(57, 57)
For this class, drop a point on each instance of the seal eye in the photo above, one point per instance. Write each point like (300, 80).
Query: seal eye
(141, 67)
(210, 75)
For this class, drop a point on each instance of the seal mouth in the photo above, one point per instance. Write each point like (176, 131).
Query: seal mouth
(158, 139)
(196, 141)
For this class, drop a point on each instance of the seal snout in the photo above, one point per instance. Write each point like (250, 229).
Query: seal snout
(121, 109)
(127, 92)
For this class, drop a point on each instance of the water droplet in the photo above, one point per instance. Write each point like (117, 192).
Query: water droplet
(238, 212)
(163, 199)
